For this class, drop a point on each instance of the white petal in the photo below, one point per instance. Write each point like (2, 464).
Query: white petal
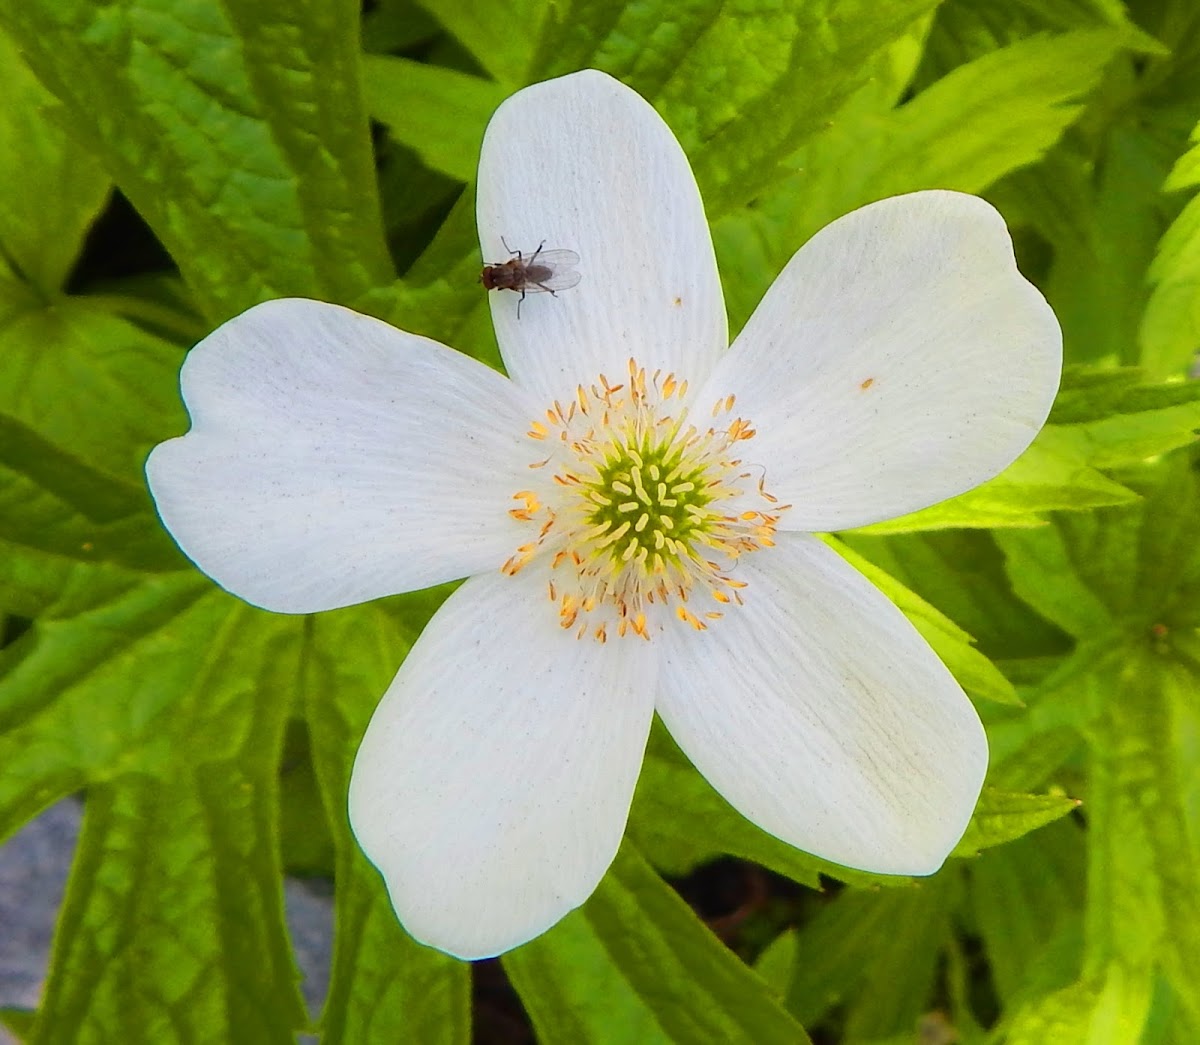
(493, 784)
(819, 712)
(898, 360)
(333, 459)
(585, 164)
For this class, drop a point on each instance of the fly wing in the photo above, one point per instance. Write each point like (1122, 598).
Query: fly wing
(552, 270)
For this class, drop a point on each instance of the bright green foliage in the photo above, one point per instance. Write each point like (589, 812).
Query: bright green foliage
(1001, 817)
(634, 965)
(213, 742)
(238, 131)
(439, 113)
(1171, 326)
(1126, 582)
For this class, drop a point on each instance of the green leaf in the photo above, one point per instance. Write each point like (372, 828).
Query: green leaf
(965, 29)
(1024, 894)
(741, 90)
(678, 820)
(1141, 562)
(95, 680)
(962, 573)
(1170, 331)
(172, 927)
(875, 953)
(1102, 212)
(439, 113)
(635, 965)
(992, 116)
(1140, 566)
(236, 130)
(393, 26)
(384, 986)
(1042, 572)
(1091, 395)
(501, 41)
(966, 131)
(19, 1021)
(1003, 816)
(95, 385)
(1108, 1010)
(51, 501)
(35, 517)
(975, 673)
(40, 163)
(1054, 474)
(1145, 861)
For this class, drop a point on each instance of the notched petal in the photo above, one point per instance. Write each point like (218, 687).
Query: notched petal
(899, 359)
(333, 459)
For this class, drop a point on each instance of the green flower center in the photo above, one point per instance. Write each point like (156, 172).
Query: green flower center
(642, 510)
(650, 503)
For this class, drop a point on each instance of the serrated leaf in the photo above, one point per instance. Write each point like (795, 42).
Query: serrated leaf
(1041, 571)
(1169, 336)
(1140, 566)
(39, 162)
(1090, 394)
(1054, 474)
(94, 385)
(384, 986)
(635, 965)
(172, 927)
(94, 680)
(237, 130)
(993, 115)
(742, 90)
(1024, 894)
(1004, 816)
(439, 113)
(875, 953)
(966, 131)
(501, 41)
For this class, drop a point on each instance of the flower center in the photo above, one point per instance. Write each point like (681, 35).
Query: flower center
(638, 510)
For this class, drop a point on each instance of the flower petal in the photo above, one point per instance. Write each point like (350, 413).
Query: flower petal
(819, 712)
(493, 784)
(333, 459)
(585, 164)
(898, 360)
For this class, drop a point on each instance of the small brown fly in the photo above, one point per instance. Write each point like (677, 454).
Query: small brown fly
(543, 271)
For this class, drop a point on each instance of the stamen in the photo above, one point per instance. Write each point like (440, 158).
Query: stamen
(633, 517)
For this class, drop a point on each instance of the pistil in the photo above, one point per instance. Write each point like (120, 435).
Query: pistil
(642, 510)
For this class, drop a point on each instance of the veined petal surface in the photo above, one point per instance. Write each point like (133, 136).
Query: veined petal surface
(333, 459)
(494, 781)
(585, 164)
(821, 714)
(899, 359)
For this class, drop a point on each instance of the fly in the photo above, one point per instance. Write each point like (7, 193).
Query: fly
(543, 271)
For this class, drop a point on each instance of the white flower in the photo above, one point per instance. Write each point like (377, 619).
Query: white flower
(633, 511)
